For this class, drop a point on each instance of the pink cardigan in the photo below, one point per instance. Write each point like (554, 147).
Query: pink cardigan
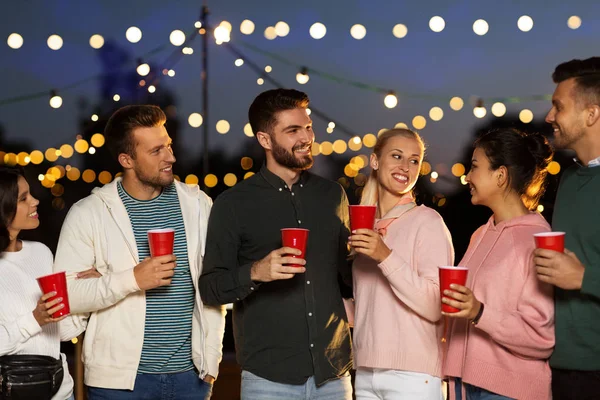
(397, 315)
(507, 351)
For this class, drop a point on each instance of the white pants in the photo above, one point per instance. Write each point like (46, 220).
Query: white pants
(390, 384)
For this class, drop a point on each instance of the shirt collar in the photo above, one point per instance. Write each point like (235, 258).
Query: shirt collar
(279, 183)
(593, 163)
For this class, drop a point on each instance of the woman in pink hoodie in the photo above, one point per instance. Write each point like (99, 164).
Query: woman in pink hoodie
(501, 350)
(397, 332)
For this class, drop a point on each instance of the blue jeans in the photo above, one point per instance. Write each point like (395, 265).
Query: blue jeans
(179, 386)
(476, 393)
(257, 388)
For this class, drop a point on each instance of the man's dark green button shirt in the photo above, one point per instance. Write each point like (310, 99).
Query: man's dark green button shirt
(287, 330)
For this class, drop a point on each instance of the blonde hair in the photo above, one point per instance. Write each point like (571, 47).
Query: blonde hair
(370, 195)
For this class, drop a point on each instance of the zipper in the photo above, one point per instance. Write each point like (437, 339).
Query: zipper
(10, 385)
(121, 230)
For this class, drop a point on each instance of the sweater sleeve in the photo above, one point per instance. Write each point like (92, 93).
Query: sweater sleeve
(591, 281)
(215, 318)
(418, 285)
(76, 253)
(14, 334)
(527, 331)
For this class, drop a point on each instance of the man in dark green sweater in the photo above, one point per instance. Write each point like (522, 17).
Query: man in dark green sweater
(575, 117)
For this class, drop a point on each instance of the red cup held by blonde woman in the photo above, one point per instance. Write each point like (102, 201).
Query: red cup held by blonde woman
(362, 217)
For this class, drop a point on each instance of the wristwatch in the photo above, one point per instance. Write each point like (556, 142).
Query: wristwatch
(475, 320)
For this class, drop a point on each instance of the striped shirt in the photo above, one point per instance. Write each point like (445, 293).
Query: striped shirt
(169, 309)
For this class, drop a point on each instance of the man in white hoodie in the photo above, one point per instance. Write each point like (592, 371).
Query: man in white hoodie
(148, 334)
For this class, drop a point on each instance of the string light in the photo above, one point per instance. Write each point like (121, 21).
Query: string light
(55, 42)
(195, 120)
(456, 103)
(14, 41)
(96, 41)
(116, 97)
(302, 76)
(55, 100)
(94, 117)
(436, 113)
(480, 27)
(498, 109)
(247, 27)
(221, 34)
(525, 23)
(142, 69)
(317, 30)
(133, 34)
(400, 31)
(358, 31)
(248, 130)
(437, 24)
(177, 37)
(282, 29)
(270, 33)
(223, 127)
(151, 89)
(239, 62)
(574, 22)
(526, 116)
(390, 100)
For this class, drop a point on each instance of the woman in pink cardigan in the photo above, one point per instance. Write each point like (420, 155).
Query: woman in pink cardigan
(397, 330)
(501, 350)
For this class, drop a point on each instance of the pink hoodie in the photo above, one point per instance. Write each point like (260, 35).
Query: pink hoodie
(397, 316)
(507, 351)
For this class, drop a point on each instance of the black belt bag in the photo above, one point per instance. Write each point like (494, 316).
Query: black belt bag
(30, 377)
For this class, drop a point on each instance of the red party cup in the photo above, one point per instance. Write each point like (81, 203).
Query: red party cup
(448, 276)
(362, 217)
(56, 283)
(295, 238)
(161, 241)
(550, 241)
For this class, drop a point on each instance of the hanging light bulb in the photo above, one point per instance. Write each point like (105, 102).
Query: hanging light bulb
(143, 68)
(390, 100)
(55, 100)
(479, 111)
(302, 76)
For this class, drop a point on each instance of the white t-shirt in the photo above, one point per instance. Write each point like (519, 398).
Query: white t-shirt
(19, 293)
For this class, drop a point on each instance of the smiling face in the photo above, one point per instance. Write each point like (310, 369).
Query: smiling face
(398, 164)
(291, 139)
(26, 216)
(482, 179)
(154, 159)
(567, 115)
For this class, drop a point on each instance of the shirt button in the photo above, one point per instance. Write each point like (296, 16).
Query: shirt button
(308, 282)
(251, 288)
(312, 345)
(280, 189)
(310, 314)
(299, 221)
(237, 298)
(301, 185)
(292, 193)
(285, 186)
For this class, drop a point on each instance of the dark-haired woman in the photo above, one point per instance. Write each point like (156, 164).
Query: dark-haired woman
(502, 336)
(26, 325)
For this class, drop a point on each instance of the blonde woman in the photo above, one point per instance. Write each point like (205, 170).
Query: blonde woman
(397, 332)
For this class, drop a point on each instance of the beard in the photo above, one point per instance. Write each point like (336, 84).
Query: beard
(565, 140)
(287, 158)
(155, 181)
